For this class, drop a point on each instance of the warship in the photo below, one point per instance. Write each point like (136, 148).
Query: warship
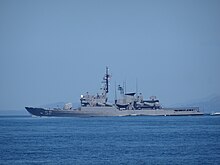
(129, 104)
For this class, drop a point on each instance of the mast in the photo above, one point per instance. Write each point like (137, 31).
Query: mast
(107, 76)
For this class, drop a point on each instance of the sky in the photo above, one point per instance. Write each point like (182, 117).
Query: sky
(56, 50)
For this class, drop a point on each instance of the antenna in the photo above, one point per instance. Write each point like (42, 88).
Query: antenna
(124, 87)
(136, 86)
(115, 93)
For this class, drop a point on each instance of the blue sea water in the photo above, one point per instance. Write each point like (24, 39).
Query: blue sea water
(110, 140)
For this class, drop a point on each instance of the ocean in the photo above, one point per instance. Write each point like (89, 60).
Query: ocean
(110, 140)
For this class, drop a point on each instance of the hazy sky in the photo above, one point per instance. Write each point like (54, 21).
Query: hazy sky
(54, 51)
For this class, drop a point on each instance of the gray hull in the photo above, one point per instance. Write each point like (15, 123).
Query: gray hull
(111, 111)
